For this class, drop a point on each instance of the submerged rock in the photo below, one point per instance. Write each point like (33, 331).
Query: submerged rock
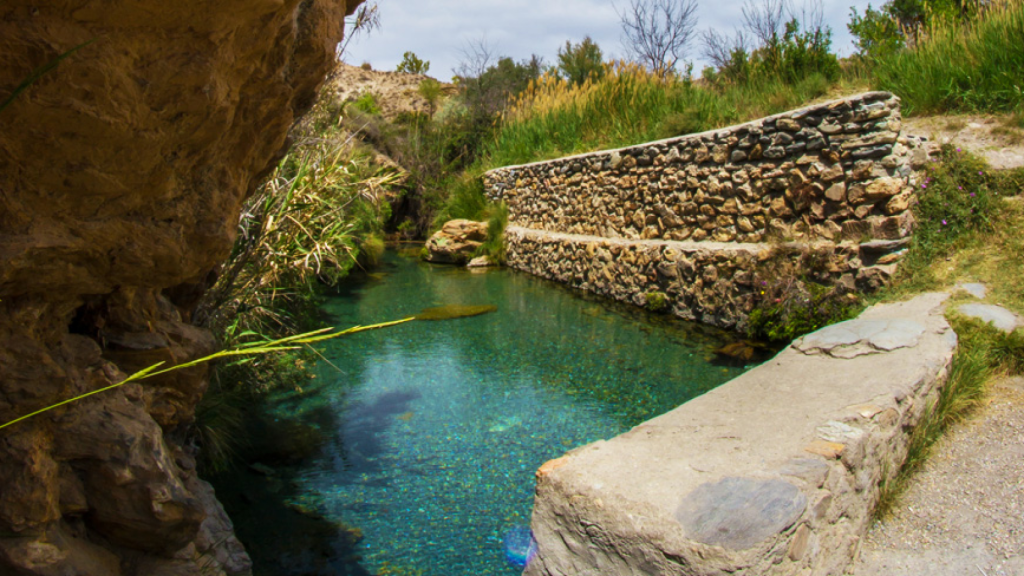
(454, 311)
(742, 350)
(456, 242)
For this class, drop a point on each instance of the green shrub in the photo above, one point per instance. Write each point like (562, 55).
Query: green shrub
(465, 199)
(791, 298)
(430, 89)
(411, 64)
(367, 103)
(876, 33)
(958, 197)
(494, 246)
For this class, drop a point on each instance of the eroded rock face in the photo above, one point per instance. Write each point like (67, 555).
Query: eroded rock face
(122, 172)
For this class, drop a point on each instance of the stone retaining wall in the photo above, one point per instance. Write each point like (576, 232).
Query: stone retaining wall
(775, 473)
(711, 282)
(827, 172)
(836, 176)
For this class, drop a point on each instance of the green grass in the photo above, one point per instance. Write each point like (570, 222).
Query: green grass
(494, 246)
(630, 106)
(967, 67)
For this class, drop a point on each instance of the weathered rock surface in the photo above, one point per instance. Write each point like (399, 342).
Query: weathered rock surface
(122, 172)
(775, 473)
(456, 241)
(997, 316)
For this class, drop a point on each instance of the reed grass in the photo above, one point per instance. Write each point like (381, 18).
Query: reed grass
(257, 347)
(956, 65)
(629, 105)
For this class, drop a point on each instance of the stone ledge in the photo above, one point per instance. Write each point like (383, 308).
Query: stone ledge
(774, 473)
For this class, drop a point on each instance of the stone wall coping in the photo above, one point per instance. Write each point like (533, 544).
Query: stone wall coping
(872, 95)
(682, 245)
(773, 473)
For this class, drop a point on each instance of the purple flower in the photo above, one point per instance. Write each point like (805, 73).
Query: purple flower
(972, 196)
(958, 150)
(960, 188)
(943, 222)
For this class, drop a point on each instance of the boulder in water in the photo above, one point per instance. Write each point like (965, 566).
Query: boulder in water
(456, 241)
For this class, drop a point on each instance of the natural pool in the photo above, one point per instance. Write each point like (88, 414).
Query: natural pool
(431, 431)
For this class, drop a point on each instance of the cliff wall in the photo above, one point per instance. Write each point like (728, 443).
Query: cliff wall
(122, 172)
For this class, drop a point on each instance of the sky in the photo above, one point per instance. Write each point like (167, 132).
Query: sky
(440, 30)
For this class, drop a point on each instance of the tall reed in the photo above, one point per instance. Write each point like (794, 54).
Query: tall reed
(972, 66)
(629, 105)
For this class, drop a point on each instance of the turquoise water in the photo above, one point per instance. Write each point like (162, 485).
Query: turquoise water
(432, 431)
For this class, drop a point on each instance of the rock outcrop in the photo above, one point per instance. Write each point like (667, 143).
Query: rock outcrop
(122, 172)
(456, 242)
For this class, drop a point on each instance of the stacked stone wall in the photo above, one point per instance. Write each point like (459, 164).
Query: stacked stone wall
(837, 175)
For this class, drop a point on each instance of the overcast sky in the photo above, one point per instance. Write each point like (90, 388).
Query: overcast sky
(438, 30)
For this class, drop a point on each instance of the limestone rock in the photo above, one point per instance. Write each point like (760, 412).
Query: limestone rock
(1001, 318)
(858, 337)
(122, 173)
(480, 262)
(456, 241)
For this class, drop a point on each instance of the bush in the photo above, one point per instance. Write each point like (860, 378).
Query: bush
(430, 89)
(958, 197)
(367, 103)
(790, 57)
(790, 298)
(411, 64)
(494, 246)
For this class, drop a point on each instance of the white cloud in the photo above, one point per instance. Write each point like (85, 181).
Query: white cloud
(437, 30)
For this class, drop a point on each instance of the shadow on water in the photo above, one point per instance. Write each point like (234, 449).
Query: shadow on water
(284, 533)
(362, 445)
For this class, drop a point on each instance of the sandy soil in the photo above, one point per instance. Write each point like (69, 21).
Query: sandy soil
(395, 92)
(964, 512)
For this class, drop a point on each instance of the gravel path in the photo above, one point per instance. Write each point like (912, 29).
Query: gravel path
(964, 512)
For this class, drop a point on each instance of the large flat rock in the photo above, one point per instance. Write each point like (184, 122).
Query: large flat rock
(775, 472)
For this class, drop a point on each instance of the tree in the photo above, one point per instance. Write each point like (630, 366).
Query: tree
(774, 41)
(657, 33)
(899, 22)
(578, 62)
(411, 64)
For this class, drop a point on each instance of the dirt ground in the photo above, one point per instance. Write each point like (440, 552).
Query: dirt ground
(964, 512)
(994, 137)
